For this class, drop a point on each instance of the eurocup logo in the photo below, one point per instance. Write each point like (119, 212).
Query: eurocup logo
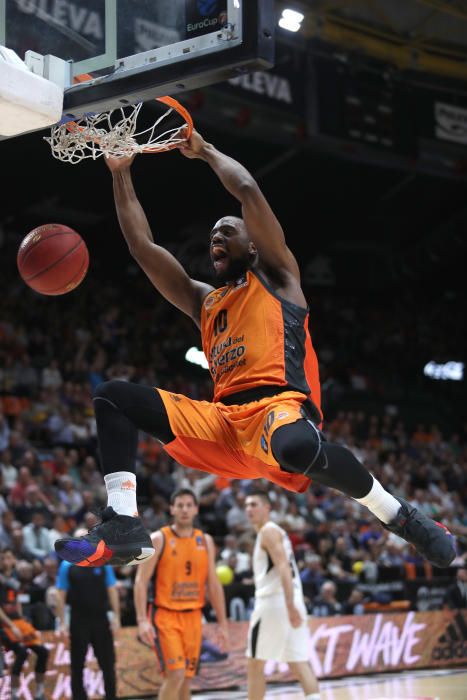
(206, 7)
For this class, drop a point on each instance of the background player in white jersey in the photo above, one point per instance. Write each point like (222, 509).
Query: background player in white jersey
(278, 628)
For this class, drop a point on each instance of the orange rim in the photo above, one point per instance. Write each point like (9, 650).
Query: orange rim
(169, 101)
(184, 113)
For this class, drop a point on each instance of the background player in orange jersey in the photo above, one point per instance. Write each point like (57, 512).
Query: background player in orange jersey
(178, 574)
(265, 417)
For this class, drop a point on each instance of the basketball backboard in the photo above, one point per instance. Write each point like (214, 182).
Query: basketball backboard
(135, 50)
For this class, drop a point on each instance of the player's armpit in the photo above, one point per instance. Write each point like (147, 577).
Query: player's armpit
(170, 279)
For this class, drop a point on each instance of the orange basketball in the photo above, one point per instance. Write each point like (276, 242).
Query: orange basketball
(53, 259)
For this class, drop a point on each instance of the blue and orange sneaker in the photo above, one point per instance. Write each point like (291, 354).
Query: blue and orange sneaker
(119, 540)
(431, 539)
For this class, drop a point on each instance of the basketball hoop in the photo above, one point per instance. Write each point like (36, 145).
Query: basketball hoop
(115, 133)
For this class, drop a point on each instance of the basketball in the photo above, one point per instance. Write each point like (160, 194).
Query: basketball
(224, 574)
(53, 259)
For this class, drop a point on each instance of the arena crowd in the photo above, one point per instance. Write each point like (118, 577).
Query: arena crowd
(50, 483)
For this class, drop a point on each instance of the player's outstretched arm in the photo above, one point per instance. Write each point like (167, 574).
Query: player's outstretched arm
(162, 268)
(216, 593)
(262, 225)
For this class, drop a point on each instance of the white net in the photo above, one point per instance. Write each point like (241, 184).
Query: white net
(113, 134)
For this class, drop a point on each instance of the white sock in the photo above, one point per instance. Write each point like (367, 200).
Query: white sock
(121, 492)
(380, 502)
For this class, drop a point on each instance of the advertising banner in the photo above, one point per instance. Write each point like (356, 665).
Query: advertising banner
(284, 87)
(337, 646)
(451, 122)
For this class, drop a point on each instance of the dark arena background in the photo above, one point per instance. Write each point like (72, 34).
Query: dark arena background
(358, 139)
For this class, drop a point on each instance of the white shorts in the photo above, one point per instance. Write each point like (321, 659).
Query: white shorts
(271, 637)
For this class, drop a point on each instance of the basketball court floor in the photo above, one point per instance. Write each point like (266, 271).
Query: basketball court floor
(424, 685)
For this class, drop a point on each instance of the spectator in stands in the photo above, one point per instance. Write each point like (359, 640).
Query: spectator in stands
(89, 520)
(4, 432)
(49, 487)
(456, 595)
(326, 604)
(30, 459)
(70, 498)
(59, 426)
(19, 490)
(236, 519)
(354, 605)
(226, 498)
(37, 536)
(51, 376)
(391, 555)
(48, 575)
(337, 571)
(7, 526)
(369, 570)
(9, 471)
(90, 501)
(17, 545)
(3, 503)
(26, 377)
(312, 574)
(59, 529)
(60, 463)
(34, 501)
(372, 533)
(155, 515)
(90, 476)
(241, 549)
(79, 428)
(162, 482)
(194, 479)
(230, 546)
(343, 551)
(293, 518)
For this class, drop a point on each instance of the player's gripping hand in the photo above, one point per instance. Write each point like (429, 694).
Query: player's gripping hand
(115, 165)
(194, 147)
(146, 633)
(295, 616)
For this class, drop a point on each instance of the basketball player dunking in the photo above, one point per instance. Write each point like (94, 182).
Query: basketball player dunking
(278, 629)
(265, 417)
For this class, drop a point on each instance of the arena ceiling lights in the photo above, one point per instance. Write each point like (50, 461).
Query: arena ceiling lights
(291, 20)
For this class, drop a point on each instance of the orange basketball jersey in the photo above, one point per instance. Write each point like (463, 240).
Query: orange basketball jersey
(30, 636)
(181, 572)
(252, 338)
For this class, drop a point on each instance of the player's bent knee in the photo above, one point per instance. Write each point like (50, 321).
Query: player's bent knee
(110, 390)
(297, 448)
